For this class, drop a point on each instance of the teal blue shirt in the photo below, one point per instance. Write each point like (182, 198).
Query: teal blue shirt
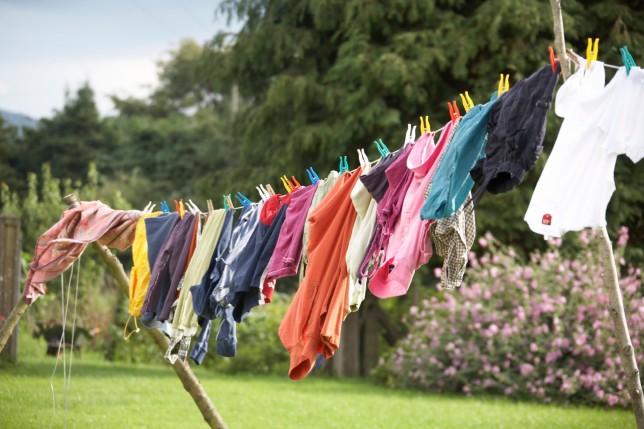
(452, 181)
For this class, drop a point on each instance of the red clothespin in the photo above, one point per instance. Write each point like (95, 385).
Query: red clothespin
(454, 113)
(552, 59)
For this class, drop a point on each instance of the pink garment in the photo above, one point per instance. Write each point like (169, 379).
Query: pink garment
(388, 209)
(64, 242)
(288, 250)
(410, 246)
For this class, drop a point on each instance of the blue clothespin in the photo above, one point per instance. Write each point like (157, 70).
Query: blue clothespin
(313, 175)
(345, 165)
(242, 199)
(225, 202)
(627, 58)
(164, 207)
(341, 168)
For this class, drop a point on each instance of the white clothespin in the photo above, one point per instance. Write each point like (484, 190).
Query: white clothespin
(410, 136)
(263, 193)
(192, 207)
(149, 207)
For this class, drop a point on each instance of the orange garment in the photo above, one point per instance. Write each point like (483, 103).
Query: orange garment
(313, 322)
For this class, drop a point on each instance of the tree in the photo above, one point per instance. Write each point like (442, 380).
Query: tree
(70, 140)
(325, 78)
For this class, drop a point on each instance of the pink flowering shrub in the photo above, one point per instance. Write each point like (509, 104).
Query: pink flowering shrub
(539, 329)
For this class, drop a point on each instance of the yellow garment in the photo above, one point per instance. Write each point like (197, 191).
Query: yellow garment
(185, 323)
(140, 274)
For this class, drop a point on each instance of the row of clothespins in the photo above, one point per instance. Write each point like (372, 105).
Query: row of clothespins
(592, 51)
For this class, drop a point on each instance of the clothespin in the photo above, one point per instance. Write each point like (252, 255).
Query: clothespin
(164, 207)
(384, 147)
(295, 182)
(262, 193)
(344, 165)
(467, 101)
(627, 58)
(270, 190)
(286, 184)
(225, 202)
(504, 86)
(211, 208)
(410, 136)
(313, 177)
(192, 207)
(362, 157)
(290, 184)
(553, 59)
(424, 127)
(454, 113)
(591, 51)
(242, 199)
(380, 151)
(230, 202)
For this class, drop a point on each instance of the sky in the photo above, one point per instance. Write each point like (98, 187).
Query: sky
(48, 47)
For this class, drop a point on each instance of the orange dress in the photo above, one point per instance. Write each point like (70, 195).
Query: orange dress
(313, 322)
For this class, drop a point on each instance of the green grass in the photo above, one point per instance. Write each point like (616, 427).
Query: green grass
(117, 395)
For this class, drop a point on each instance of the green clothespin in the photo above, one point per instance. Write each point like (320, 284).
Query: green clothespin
(627, 58)
(380, 151)
(225, 202)
(384, 147)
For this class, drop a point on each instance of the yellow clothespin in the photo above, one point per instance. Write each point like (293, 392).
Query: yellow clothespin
(467, 101)
(591, 51)
(424, 127)
(504, 86)
(285, 183)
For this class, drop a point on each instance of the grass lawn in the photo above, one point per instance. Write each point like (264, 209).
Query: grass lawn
(117, 395)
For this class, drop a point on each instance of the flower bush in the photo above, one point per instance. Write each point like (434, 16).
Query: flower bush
(539, 329)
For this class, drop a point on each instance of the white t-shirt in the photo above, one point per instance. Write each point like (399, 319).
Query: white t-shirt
(577, 182)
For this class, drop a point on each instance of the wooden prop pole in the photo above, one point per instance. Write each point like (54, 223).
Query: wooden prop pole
(607, 260)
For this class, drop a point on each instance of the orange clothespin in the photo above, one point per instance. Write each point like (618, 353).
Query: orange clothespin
(424, 126)
(553, 59)
(591, 51)
(295, 183)
(453, 111)
(467, 101)
(504, 86)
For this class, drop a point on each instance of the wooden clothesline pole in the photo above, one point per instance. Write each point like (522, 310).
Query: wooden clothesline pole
(607, 260)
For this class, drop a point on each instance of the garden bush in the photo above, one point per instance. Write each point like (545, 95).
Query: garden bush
(524, 329)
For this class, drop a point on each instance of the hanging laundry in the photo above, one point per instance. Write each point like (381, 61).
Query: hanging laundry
(516, 129)
(452, 181)
(63, 243)
(184, 322)
(288, 249)
(365, 207)
(453, 238)
(409, 246)
(375, 180)
(399, 178)
(324, 187)
(577, 182)
(157, 230)
(247, 286)
(167, 272)
(313, 322)
(140, 273)
(201, 292)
